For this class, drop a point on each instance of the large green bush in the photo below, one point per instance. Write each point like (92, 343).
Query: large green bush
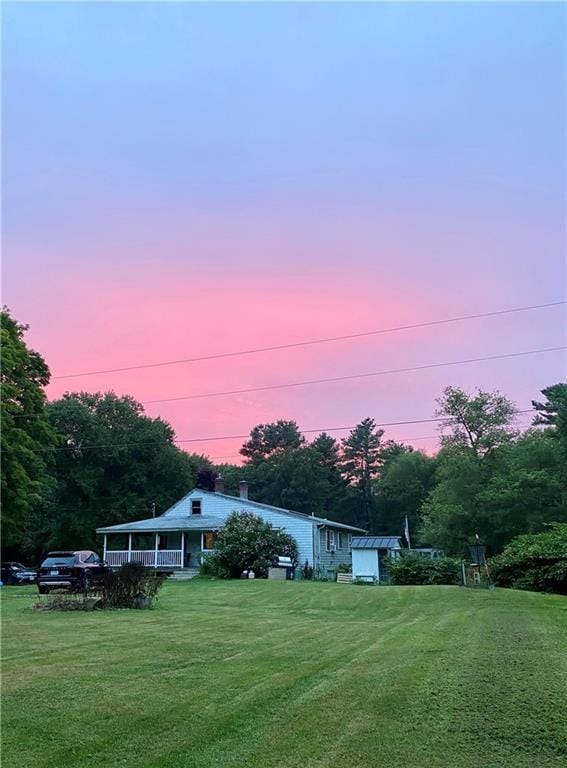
(246, 542)
(536, 562)
(413, 568)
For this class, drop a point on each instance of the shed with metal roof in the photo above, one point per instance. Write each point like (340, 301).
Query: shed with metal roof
(371, 555)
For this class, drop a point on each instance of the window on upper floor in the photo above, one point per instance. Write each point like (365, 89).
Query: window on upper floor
(196, 507)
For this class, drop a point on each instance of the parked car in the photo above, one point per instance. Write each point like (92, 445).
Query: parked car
(16, 573)
(75, 571)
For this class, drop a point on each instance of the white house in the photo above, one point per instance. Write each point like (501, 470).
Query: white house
(370, 556)
(187, 530)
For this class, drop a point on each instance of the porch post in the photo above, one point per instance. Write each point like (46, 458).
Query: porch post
(129, 547)
(182, 549)
(156, 551)
(104, 548)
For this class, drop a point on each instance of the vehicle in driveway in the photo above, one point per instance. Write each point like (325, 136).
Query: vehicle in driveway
(75, 571)
(16, 573)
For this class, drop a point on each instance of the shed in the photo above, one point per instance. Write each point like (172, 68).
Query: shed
(370, 555)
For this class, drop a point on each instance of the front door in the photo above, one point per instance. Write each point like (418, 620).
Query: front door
(186, 553)
(192, 549)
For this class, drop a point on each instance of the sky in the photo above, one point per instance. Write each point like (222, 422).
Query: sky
(189, 179)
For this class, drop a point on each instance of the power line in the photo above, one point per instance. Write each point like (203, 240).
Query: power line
(428, 366)
(311, 342)
(353, 376)
(397, 440)
(244, 437)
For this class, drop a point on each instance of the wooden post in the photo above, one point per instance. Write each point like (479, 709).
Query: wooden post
(156, 551)
(182, 549)
(104, 548)
(129, 547)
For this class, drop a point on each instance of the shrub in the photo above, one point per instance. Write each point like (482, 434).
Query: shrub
(131, 586)
(246, 542)
(321, 574)
(536, 562)
(67, 602)
(413, 568)
(307, 571)
(343, 568)
(212, 566)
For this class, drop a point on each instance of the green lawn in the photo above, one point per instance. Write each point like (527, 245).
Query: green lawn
(276, 674)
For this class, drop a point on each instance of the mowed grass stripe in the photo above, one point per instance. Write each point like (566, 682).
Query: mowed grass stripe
(303, 674)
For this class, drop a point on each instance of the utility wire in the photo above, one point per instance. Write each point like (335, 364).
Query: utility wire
(311, 342)
(397, 440)
(352, 376)
(244, 437)
(428, 366)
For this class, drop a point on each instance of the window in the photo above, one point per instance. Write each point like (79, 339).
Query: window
(350, 541)
(54, 561)
(341, 538)
(196, 507)
(330, 540)
(208, 540)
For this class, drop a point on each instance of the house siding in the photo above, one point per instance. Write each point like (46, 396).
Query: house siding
(328, 561)
(219, 506)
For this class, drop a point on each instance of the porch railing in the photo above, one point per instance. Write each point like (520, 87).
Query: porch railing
(150, 557)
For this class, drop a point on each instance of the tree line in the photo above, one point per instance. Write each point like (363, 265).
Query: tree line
(88, 460)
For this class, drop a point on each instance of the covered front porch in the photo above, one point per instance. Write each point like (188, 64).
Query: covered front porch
(158, 549)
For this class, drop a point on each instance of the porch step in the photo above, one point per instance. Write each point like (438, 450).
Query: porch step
(183, 574)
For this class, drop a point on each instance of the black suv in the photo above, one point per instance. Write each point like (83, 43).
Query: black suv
(75, 571)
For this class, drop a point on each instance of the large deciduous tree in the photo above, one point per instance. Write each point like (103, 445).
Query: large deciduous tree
(480, 422)
(405, 481)
(115, 465)
(525, 490)
(27, 436)
(491, 481)
(478, 425)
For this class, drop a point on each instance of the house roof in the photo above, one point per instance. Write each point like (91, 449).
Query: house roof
(312, 518)
(170, 523)
(376, 542)
(171, 520)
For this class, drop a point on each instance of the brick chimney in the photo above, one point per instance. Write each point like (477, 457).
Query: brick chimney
(243, 486)
(219, 485)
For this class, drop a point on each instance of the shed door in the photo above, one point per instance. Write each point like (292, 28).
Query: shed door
(365, 563)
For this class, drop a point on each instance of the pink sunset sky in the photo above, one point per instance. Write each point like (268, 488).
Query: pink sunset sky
(184, 180)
